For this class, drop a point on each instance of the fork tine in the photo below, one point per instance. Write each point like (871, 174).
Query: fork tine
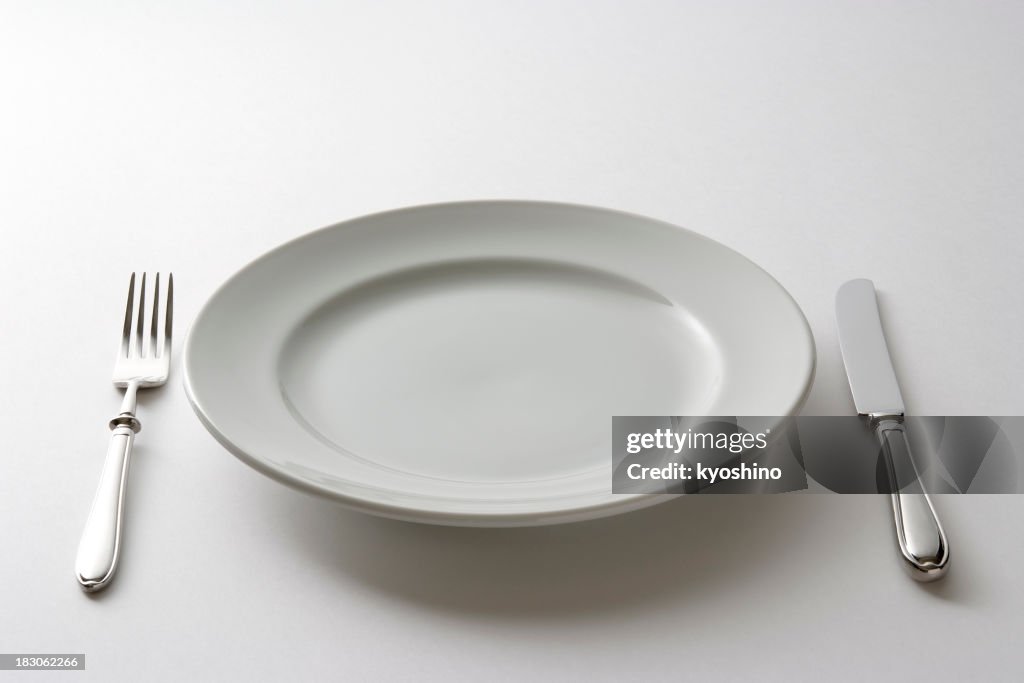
(153, 351)
(169, 313)
(141, 321)
(126, 332)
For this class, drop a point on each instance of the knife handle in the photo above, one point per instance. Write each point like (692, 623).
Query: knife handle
(921, 538)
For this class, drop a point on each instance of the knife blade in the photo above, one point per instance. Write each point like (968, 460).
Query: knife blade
(877, 397)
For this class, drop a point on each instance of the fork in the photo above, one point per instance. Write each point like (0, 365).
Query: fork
(143, 361)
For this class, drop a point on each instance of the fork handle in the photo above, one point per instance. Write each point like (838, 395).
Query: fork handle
(101, 541)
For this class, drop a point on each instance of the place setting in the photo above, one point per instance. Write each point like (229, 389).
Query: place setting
(460, 364)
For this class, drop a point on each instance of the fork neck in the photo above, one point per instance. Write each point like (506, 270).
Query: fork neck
(127, 415)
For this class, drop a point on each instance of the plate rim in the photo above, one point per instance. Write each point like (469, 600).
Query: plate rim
(617, 504)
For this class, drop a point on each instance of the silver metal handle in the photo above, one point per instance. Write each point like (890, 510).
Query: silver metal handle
(921, 538)
(101, 541)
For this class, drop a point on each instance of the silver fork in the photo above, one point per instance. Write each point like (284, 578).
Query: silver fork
(143, 361)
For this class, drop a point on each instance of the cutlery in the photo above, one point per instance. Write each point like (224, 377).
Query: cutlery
(877, 397)
(143, 361)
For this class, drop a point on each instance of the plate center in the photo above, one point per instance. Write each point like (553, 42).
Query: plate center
(493, 371)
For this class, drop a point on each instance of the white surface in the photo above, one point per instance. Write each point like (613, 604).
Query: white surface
(823, 140)
(459, 363)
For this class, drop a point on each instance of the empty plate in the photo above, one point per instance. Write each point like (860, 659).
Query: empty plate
(461, 363)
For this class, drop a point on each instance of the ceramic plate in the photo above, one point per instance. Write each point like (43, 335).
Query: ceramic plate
(461, 363)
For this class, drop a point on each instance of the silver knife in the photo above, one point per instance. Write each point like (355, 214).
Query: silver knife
(877, 396)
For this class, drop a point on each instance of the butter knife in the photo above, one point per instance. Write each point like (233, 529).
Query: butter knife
(877, 397)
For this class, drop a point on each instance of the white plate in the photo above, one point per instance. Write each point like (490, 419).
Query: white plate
(461, 363)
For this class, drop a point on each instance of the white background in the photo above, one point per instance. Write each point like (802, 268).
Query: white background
(823, 140)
